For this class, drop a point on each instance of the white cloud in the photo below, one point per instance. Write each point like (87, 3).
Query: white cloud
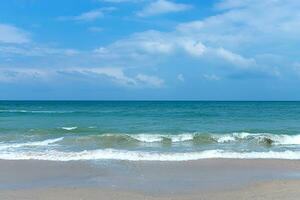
(211, 77)
(137, 46)
(113, 74)
(193, 47)
(150, 80)
(238, 34)
(35, 50)
(235, 59)
(150, 43)
(116, 74)
(12, 34)
(296, 68)
(90, 15)
(180, 77)
(122, 1)
(231, 4)
(95, 29)
(14, 75)
(87, 16)
(247, 22)
(234, 37)
(159, 7)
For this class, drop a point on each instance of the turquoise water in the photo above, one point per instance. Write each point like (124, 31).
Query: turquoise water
(145, 130)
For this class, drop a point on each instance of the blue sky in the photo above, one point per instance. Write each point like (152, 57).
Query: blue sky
(150, 49)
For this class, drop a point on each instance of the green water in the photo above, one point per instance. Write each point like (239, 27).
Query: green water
(43, 129)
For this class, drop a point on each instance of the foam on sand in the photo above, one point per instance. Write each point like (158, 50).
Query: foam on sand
(113, 154)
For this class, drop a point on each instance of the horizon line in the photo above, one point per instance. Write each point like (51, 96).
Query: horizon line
(149, 100)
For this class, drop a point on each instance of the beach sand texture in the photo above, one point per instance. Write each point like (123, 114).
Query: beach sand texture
(204, 179)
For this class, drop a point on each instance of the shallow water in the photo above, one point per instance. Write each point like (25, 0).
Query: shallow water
(145, 130)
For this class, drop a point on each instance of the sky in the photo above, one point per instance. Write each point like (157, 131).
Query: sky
(150, 50)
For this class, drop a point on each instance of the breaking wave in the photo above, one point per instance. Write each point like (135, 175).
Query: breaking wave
(110, 147)
(199, 138)
(113, 154)
(30, 144)
(69, 128)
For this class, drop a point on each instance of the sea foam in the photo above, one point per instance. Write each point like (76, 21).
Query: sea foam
(25, 144)
(113, 154)
(274, 139)
(69, 128)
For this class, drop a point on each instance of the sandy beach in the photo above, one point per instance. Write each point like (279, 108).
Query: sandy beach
(203, 179)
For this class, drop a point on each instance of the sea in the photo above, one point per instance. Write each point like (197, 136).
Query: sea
(149, 130)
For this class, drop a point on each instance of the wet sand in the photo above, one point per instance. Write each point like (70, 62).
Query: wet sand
(203, 179)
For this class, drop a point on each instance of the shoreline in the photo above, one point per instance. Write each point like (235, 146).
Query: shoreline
(272, 190)
(209, 178)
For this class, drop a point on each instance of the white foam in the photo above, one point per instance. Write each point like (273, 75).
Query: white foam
(69, 128)
(225, 138)
(182, 137)
(244, 135)
(220, 138)
(152, 138)
(36, 143)
(279, 139)
(112, 154)
(286, 139)
(147, 138)
(13, 111)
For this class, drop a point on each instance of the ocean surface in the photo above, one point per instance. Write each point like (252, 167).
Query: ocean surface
(148, 130)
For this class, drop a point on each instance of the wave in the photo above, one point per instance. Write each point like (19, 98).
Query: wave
(269, 138)
(124, 140)
(199, 138)
(154, 138)
(14, 151)
(113, 154)
(69, 128)
(150, 138)
(4, 146)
